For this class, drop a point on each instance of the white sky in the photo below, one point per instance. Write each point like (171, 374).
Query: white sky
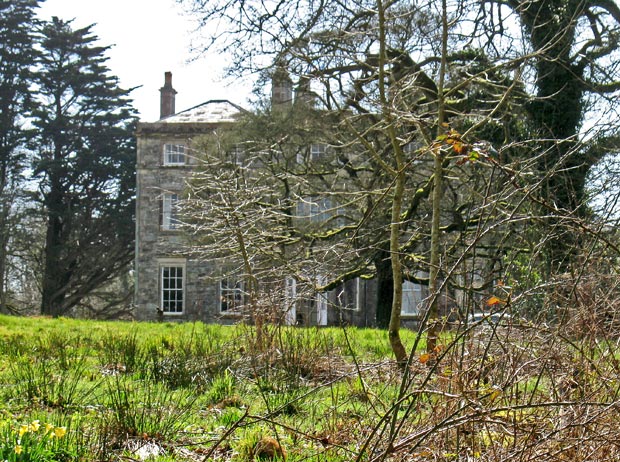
(150, 37)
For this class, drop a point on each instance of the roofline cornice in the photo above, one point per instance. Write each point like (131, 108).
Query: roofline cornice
(163, 127)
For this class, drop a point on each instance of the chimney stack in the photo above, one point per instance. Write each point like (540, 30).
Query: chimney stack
(303, 94)
(281, 88)
(167, 97)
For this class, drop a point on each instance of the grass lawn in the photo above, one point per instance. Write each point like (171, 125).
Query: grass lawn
(112, 391)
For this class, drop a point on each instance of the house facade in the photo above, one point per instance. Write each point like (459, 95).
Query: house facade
(171, 285)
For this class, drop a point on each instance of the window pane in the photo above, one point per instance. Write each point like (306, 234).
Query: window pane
(231, 295)
(411, 297)
(172, 289)
(169, 210)
(174, 154)
(317, 152)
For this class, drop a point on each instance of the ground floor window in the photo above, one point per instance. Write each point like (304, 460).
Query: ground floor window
(348, 295)
(412, 297)
(172, 283)
(231, 295)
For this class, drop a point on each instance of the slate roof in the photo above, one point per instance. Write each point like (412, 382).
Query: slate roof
(211, 112)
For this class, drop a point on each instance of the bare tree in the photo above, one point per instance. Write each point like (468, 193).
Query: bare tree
(403, 83)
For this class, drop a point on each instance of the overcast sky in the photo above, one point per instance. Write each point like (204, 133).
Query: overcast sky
(150, 37)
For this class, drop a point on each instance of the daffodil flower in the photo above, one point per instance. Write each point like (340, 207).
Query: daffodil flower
(60, 431)
(18, 449)
(23, 429)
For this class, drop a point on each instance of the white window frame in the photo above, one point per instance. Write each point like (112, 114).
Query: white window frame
(172, 277)
(321, 303)
(169, 211)
(231, 289)
(237, 155)
(412, 297)
(290, 301)
(283, 91)
(315, 209)
(174, 154)
(317, 151)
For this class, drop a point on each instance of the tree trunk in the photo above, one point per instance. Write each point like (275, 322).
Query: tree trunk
(55, 269)
(52, 296)
(557, 113)
(397, 271)
(385, 289)
(433, 330)
(4, 238)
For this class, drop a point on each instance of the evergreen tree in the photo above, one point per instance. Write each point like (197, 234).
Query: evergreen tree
(85, 165)
(17, 56)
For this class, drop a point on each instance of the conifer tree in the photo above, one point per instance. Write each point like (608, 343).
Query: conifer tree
(17, 56)
(85, 165)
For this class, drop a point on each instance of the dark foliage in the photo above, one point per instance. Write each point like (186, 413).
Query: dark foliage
(84, 162)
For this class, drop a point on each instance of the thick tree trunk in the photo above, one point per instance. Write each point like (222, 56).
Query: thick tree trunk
(556, 113)
(55, 272)
(385, 289)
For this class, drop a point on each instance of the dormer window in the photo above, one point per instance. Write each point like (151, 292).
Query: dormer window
(174, 154)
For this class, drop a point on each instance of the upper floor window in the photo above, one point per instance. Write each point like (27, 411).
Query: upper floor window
(317, 152)
(172, 287)
(169, 211)
(315, 209)
(237, 155)
(314, 153)
(174, 154)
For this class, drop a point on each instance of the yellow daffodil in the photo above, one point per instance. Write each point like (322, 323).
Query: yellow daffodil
(60, 431)
(18, 449)
(48, 428)
(23, 429)
(34, 426)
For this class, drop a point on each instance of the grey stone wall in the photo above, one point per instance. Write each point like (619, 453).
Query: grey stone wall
(155, 246)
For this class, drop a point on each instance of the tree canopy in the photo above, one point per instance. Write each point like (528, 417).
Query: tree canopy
(85, 163)
(67, 155)
(17, 55)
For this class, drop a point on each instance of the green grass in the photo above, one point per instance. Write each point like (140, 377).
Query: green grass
(126, 391)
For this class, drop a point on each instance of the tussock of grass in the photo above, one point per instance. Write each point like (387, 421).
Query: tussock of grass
(191, 391)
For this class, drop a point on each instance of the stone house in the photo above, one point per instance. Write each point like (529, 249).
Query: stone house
(172, 286)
